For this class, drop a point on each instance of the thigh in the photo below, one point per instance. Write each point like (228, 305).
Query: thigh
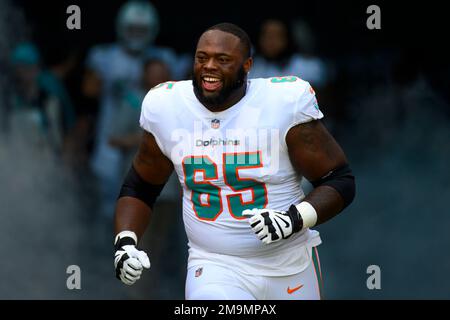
(306, 285)
(213, 282)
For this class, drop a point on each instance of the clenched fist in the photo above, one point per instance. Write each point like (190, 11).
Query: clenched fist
(128, 260)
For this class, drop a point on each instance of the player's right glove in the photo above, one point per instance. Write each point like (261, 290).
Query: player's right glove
(128, 260)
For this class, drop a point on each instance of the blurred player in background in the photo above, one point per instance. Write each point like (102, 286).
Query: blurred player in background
(240, 149)
(41, 112)
(281, 53)
(114, 73)
(126, 135)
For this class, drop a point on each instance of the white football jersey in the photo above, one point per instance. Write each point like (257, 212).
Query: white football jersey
(234, 160)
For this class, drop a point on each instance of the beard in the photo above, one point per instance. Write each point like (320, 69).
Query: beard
(221, 97)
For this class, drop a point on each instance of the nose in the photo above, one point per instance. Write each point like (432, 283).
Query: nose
(210, 64)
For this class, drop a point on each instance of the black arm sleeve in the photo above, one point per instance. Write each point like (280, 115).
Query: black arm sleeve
(136, 187)
(342, 180)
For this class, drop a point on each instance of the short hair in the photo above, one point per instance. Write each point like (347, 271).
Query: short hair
(238, 32)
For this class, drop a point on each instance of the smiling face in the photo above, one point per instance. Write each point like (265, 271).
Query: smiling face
(220, 70)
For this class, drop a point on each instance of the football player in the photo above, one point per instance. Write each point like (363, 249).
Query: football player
(240, 149)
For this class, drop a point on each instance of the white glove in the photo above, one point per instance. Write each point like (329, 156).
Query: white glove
(271, 225)
(128, 260)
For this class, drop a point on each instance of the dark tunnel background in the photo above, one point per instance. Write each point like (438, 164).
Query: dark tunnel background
(387, 104)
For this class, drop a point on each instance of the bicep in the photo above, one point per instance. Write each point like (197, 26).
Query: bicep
(150, 163)
(313, 150)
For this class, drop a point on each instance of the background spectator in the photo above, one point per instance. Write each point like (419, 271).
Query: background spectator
(278, 54)
(40, 108)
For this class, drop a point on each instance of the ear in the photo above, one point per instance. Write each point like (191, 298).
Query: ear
(248, 64)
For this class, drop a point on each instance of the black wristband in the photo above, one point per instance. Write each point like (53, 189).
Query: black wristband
(124, 242)
(297, 220)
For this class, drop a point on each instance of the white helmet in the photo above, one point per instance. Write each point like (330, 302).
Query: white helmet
(137, 24)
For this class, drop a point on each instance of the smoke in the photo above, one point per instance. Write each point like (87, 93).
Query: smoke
(48, 222)
(398, 146)
(48, 218)
(39, 225)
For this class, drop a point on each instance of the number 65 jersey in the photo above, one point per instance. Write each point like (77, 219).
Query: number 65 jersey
(234, 160)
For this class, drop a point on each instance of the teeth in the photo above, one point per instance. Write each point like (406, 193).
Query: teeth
(211, 79)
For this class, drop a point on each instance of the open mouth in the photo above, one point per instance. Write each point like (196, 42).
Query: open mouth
(210, 83)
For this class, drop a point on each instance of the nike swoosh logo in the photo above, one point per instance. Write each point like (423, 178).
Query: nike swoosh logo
(291, 291)
(285, 222)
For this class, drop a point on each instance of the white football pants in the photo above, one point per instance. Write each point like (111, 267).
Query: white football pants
(214, 282)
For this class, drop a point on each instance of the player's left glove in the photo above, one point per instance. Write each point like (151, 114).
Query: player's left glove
(271, 225)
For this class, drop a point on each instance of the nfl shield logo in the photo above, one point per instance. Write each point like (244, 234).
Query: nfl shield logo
(215, 123)
(198, 272)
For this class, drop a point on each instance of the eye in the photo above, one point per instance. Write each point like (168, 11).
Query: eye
(201, 59)
(224, 59)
